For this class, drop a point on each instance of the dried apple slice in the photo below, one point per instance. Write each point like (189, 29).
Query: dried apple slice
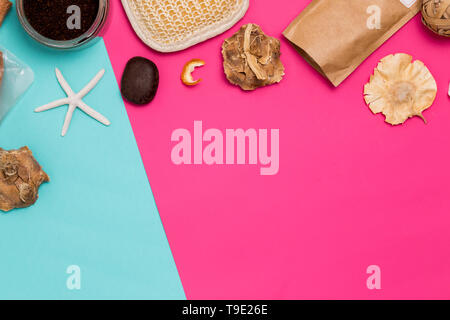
(400, 88)
(189, 67)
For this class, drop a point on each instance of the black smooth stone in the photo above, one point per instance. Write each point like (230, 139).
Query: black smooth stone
(140, 81)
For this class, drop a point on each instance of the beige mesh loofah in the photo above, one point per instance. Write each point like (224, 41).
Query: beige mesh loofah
(174, 25)
(400, 88)
(436, 16)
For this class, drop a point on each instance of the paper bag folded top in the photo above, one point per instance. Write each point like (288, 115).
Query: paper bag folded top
(336, 36)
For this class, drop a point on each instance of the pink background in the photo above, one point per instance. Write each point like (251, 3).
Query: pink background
(352, 191)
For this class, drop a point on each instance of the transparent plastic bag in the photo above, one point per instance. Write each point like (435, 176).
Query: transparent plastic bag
(17, 78)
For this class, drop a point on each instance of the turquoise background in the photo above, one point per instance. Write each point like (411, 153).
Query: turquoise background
(98, 211)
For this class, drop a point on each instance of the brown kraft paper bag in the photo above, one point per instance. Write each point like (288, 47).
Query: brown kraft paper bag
(336, 36)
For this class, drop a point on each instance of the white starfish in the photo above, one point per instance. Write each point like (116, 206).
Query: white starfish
(74, 100)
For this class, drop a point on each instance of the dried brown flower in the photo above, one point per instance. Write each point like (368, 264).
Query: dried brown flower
(252, 59)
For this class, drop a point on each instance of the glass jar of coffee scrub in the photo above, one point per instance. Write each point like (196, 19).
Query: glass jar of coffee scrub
(64, 24)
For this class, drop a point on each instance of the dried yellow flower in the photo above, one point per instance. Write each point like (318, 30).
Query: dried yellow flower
(400, 88)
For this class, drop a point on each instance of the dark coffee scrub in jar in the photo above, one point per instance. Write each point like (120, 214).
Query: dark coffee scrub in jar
(63, 24)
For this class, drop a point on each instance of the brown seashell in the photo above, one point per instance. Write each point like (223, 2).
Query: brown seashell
(20, 179)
